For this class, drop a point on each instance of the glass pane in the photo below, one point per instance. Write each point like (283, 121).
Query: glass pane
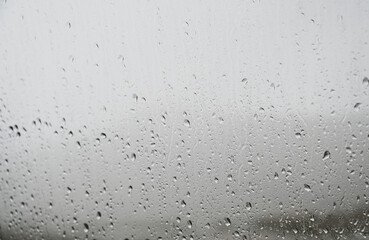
(184, 120)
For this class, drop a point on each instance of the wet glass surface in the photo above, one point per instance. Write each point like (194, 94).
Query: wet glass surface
(184, 120)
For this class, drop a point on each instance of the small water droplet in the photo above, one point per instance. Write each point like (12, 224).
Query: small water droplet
(326, 155)
(248, 206)
(135, 97)
(366, 81)
(187, 123)
(227, 222)
(221, 120)
(189, 224)
(348, 150)
(86, 227)
(357, 106)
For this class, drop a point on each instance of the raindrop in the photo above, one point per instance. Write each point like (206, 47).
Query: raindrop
(248, 206)
(187, 123)
(356, 106)
(366, 81)
(189, 224)
(221, 120)
(326, 155)
(227, 222)
(307, 188)
(86, 227)
(135, 97)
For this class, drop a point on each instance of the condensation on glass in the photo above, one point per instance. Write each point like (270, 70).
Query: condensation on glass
(184, 120)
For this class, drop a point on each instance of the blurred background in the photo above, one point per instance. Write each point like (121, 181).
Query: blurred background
(184, 119)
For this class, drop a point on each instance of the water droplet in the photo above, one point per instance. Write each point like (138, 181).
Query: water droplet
(326, 155)
(227, 222)
(86, 227)
(135, 97)
(189, 224)
(348, 150)
(221, 120)
(366, 81)
(248, 206)
(187, 123)
(357, 106)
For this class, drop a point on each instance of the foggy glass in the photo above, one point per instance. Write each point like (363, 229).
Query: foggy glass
(184, 119)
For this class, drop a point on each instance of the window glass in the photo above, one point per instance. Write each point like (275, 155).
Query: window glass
(184, 120)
